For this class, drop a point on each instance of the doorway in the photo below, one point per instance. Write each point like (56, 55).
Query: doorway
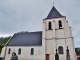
(47, 57)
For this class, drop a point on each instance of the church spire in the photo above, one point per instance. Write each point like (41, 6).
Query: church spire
(54, 13)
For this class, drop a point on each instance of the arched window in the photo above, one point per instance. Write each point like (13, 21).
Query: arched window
(60, 50)
(9, 51)
(19, 51)
(49, 26)
(32, 51)
(60, 24)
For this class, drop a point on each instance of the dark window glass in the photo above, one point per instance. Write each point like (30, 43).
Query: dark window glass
(9, 51)
(60, 24)
(60, 50)
(19, 51)
(49, 25)
(32, 51)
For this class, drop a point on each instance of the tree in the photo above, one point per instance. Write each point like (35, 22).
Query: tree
(3, 41)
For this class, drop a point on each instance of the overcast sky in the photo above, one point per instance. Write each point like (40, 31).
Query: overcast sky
(27, 15)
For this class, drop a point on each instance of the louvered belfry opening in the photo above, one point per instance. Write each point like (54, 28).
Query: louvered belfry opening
(49, 26)
(60, 24)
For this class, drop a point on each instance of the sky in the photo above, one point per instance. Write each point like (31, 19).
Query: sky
(27, 15)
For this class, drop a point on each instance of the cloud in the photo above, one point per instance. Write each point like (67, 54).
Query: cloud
(19, 15)
(5, 35)
(77, 42)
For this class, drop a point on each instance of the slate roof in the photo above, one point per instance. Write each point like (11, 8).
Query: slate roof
(26, 39)
(53, 14)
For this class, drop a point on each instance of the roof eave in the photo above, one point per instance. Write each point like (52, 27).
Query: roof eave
(54, 17)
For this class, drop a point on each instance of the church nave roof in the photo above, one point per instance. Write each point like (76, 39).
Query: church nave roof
(26, 39)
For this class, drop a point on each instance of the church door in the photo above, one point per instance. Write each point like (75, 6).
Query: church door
(47, 56)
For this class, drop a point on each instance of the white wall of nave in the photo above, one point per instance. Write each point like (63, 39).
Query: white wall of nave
(26, 52)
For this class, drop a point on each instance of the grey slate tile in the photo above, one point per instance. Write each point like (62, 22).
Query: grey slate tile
(53, 14)
(26, 39)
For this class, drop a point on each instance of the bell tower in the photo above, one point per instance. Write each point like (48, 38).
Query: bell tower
(51, 23)
(57, 35)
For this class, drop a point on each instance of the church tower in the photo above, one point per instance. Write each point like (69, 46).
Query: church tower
(58, 37)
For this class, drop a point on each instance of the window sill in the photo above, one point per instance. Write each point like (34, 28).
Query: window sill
(59, 29)
(48, 29)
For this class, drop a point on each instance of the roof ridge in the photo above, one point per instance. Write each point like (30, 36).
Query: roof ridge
(35, 31)
(26, 32)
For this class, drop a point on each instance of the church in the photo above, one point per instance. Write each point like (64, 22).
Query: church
(54, 42)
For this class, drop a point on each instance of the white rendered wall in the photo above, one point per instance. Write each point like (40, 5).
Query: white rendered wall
(69, 43)
(59, 33)
(3, 52)
(61, 42)
(49, 44)
(39, 52)
(58, 37)
(26, 52)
